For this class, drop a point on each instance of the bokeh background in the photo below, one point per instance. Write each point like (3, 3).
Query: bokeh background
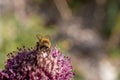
(88, 31)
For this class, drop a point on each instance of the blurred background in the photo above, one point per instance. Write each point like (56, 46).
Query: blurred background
(86, 30)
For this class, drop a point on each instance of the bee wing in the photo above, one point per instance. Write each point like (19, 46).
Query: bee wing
(39, 36)
(47, 36)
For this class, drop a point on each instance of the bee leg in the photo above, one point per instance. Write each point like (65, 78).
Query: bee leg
(37, 46)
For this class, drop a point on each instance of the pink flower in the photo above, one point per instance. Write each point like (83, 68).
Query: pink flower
(37, 64)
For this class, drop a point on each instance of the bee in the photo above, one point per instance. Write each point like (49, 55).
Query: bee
(44, 41)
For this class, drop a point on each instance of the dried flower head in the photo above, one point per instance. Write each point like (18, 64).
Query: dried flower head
(37, 64)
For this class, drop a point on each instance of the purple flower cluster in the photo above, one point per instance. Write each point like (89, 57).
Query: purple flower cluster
(37, 64)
